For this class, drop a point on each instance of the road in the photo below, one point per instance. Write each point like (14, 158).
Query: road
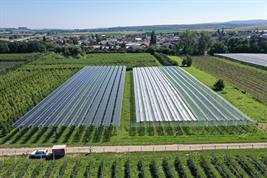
(140, 148)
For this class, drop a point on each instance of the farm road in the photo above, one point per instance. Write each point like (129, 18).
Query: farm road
(139, 148)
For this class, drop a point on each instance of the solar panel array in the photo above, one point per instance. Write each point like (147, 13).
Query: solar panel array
(93, 96)
(170, 94)
(257, 59)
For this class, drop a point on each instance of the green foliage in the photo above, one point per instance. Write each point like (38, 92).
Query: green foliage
(4, 47)
(219, 85)
(22, 89)
(218, 47)
(238, 45)
(204, 42)
(219, 168)
(206, 167)
(153, 39)
(245, 78)
(103, 164)
(167, 169)
(127, 59)
(114, 169)
(164, 59)
(191, 165)
(154, 169)
(187, 61)
(208, 69)
(127, 169)
(141, 169)
(179, 168)
(188, 42)
(101, 170)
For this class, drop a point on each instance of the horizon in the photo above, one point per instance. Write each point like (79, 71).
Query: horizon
(92, 14)
(133, 25)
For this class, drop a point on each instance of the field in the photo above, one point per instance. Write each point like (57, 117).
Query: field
(123, 59)
(246, 78)
(232, 163)
(93, 96)
(11, 61)
(250, 58)
(168, 94)
(18, 56)
(22, 89)
(42, 75)
(244, 101)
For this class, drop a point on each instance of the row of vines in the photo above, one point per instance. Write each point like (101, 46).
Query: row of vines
(170, 165)
(24, 88)
(248, 79)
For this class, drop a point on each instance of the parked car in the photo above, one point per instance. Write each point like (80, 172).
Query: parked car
(39, 154)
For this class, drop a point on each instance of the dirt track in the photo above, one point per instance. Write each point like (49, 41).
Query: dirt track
(139, 148)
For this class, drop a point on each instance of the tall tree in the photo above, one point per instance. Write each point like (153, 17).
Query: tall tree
(153, 39)
(4, 47)
(188, 42)
(204, 42)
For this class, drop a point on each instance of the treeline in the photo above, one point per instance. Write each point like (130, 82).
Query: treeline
(254, 44)
(199, 43)
(39, 46)
(190, 43)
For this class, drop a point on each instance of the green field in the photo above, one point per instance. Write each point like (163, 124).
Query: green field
(243, 101)
(127, 59)
(47, 72)
(12, 61)
(248, 79)
(230, 163)
(18, 56)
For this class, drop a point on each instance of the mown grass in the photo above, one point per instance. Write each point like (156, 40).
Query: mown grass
(80, 165)
(243, 101)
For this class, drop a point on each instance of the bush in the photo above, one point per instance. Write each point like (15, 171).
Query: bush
(187, 61)
(164, 60)
(193, 168)
(219, 85)
(167, 169)
(206, 167)
(127, 169)
(141, 169)
(179, 168)
(101, 170)
(154, 169)
(114, 169)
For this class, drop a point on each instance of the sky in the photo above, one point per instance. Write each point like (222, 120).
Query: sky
(73, 14)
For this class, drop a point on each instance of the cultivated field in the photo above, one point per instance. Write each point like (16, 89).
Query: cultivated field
(22, 89)
(256, 59)
(8, 61)
(168, 94)
(210, 72)
(93, 96)
(238, 163)
(246, 78)
(130, 60)
(36, 81)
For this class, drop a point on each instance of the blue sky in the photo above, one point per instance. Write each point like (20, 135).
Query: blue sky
(109, 13)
